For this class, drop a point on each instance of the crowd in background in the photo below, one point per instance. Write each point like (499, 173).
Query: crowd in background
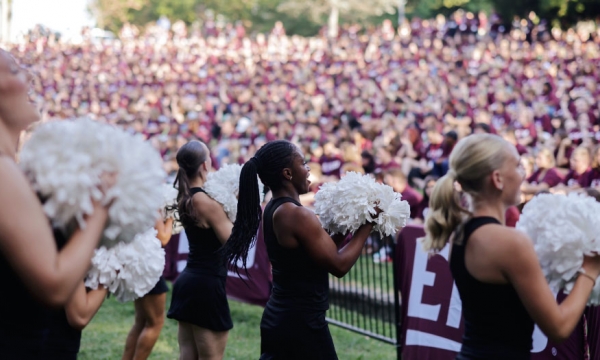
(386, 101)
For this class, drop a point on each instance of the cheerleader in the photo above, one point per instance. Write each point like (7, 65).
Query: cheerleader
(199, 300)
(65, 325)
(293, 325)
(31, 268)
(496, 270)
(149, 309)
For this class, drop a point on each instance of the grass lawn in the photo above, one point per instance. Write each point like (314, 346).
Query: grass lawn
(105, 337)
(365, 271)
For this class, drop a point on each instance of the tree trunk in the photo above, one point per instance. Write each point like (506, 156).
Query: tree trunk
(333, 23)
(401, 12)
(5, 21)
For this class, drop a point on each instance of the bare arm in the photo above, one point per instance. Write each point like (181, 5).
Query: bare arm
(531, 189)
(561, 158)
(214, 215)
(26, 241)
(164, 230)
(83, 305)
(523, 271)
(303, 226)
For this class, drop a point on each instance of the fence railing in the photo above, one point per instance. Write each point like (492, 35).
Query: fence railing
(367, 299)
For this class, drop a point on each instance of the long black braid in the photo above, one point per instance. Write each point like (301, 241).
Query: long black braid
(268, 164)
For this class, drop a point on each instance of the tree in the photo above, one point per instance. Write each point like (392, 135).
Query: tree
(351, 9)
(113, 14)
(6, 9)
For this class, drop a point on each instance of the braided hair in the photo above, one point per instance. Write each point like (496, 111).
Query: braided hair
(268, 163)
(189, 158)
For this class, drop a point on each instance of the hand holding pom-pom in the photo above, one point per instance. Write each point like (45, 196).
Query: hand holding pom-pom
(563, 229)
(74, 164)
(358, 199)
(169, 208)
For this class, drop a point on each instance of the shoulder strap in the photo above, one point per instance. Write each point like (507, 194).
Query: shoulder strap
(196, 190)
(473, 224)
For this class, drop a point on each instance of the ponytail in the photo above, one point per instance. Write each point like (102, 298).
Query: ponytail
(249, 216)
(268, 164)
(187, 214)
(445, 213)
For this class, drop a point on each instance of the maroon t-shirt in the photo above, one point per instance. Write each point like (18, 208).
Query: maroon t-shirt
(331, 165)
(525, 132)
(551, 177)
(594, 178)
(522, 150)
(433, 152)
(574, 178)
(576, 135)
(385, 167)
(421, 209)
(413, 198)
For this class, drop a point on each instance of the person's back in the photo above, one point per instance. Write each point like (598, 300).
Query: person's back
(497, 325)
(203, 253)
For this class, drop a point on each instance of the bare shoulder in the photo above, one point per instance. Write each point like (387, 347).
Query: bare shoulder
(501, 241)
(501, 238)
(14, 182)
(292, 214)
(204, 204)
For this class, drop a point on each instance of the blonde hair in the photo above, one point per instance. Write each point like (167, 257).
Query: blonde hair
(472, 160)
(547, 153)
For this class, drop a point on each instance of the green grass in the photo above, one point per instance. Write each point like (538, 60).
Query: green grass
(365, 271)
(105, 337)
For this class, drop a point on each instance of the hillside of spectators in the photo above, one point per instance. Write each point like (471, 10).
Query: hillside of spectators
(386, 101)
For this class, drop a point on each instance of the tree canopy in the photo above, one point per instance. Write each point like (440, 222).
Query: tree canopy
(305, 17)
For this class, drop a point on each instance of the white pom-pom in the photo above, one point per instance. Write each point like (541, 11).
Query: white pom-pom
(224, 185)
(128, 270)
(344, 206)
(563, 229)
(64, 161)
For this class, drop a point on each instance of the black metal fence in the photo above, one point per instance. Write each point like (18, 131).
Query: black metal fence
(367, 299)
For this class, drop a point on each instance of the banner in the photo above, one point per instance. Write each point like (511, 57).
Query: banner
(432, 324)
(252, 288)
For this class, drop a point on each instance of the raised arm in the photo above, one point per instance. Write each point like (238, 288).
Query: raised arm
(214, 216)
(164, 230)
(297, 226)
(26, 241)
(523, 271)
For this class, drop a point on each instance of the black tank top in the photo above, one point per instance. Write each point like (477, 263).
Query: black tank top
(497, 325)
(204, 244)
(298, 282)
(23, 320)
(63, 341)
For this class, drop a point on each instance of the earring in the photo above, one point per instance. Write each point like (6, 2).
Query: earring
(290, 178)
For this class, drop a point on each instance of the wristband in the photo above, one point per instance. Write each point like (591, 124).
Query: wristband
(582, 272)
